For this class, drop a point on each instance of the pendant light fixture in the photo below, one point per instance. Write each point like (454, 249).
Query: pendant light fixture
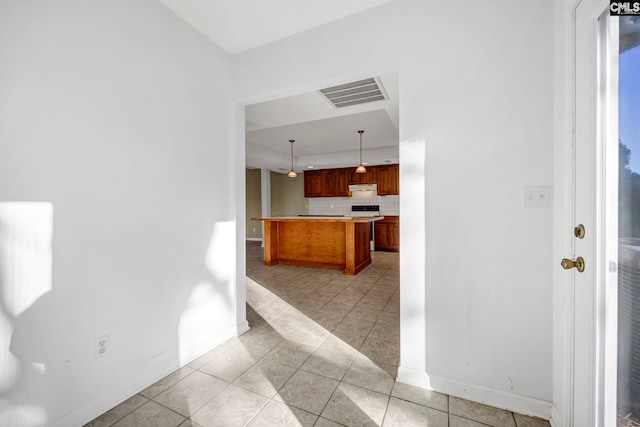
(292, 173)
(361, 168)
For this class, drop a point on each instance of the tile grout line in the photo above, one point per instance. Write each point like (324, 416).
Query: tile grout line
(278, 298)
(340, 381)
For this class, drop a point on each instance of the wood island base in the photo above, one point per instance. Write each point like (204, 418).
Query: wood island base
(325, 242)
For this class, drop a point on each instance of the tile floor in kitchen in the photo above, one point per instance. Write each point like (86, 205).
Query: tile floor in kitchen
(323, 350)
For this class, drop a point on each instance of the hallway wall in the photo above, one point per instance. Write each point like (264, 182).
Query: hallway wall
(118, 115)
(254, 203)
(476, 127)
(287, 195)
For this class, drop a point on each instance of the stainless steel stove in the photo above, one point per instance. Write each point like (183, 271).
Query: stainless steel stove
(367, 211)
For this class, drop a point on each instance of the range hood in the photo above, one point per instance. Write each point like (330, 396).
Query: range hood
(363, 187)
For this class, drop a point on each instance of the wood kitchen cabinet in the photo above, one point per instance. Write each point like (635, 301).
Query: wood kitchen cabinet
(326, 183)
(387, 234)
(369, 177)
(341, 182)
(335, 182)
(388, 178)
(313, 183)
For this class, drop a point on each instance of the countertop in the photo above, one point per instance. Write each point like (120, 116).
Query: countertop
(321, 218)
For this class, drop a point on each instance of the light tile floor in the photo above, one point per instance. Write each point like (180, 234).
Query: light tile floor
(323, 350)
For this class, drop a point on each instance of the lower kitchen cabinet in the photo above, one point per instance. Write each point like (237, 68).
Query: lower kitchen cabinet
(387, 234)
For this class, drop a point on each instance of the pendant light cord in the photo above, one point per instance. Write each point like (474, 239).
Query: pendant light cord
(360, 132)
(292, 173)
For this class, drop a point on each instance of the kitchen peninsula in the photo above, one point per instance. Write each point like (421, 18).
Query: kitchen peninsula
(318, 241)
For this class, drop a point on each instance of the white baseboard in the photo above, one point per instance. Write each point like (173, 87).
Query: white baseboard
(104, 403)
(241, 328)
(496, 398)
(254, 239)
(556, 418)
(415, 378)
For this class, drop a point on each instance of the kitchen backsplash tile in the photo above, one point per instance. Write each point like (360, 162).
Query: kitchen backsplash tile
(389, 205)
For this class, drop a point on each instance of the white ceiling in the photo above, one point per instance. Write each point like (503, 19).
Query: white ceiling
(239, 25)
(325, 136)
(334, 135)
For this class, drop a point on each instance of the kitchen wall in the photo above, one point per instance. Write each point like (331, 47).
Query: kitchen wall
(476, 127)
(287, 195)
(117, 170)
(253, 203)
(389, 205)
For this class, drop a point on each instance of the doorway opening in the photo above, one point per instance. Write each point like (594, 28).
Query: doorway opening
(317, 320)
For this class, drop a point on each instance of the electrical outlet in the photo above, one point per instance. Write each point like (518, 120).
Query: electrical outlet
(101, 346)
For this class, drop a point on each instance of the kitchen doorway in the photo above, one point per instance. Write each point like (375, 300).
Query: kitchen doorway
(359, 314)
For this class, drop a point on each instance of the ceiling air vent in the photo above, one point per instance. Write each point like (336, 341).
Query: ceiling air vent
(354, 93)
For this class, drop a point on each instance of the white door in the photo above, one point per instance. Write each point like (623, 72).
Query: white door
(595, 159)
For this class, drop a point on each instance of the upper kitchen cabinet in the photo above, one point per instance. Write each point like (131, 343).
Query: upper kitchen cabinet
(388, 178)
(335, 182)
(341, 181)
(328, 183)
(325, 183)
(369, 177)
(313, 184)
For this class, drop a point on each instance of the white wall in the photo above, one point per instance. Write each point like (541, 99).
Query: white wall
(476, 126)
(253, 195)
(119, 116)
(287, 195)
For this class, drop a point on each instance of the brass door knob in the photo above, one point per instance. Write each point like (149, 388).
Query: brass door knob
(568, 264)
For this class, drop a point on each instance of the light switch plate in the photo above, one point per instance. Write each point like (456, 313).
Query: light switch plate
(536, 197)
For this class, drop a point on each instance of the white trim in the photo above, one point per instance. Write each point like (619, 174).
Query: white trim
(254, 239)
(569, 402)
(413, 377)
(497, 398)
(563, 212)
(413, 252)
(108, 401)
(608, 146)
(240, 215)
(589, 202)
(241, 328)
(556, 417)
